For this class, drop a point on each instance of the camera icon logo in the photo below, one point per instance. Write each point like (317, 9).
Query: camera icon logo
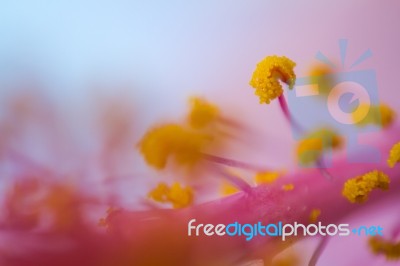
(337, 97)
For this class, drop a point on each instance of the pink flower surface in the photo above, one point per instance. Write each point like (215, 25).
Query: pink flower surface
(49, 221)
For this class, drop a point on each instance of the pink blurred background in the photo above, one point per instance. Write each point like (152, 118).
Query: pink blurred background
(164, 52)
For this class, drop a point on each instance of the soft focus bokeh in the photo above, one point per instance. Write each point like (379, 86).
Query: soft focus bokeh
(164, 52)
(98, 74)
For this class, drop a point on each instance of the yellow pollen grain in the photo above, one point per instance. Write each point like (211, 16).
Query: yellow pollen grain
(394, 155)
(357, 190)
(175, 194)
(266, 177)
(323, 76)
(314, 215)
(314, 144)
(268, 74)
(228, 189)
(172, 141)
(288, 187)
(380, 246)
(381, 115)
(202, 113)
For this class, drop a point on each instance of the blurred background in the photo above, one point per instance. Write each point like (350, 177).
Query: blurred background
(141, 60)
(166, 51)
(155, 54)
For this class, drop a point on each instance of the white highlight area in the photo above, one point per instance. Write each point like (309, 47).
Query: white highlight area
(307, 90)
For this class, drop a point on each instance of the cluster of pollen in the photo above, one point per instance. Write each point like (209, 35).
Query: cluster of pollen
(103, 221)
(288, 187)
(380, 115)
(172, 140)
(313, 145)
(202, 113)
(391, 250)
(268, 74)
(394, 155)
(266, 177)
(323, 75)
(357, 189)
(179, 196)
(228, 189)
(314, 215)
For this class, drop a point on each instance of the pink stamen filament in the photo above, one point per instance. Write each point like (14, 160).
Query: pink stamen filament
(318, 251)
(234, 180)
(396, 232)
(233, 163)
(285, 109)
(322, 168)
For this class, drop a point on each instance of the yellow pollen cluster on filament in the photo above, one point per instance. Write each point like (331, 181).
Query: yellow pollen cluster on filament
(323, 75)
(266, 177)
(202, 113)
(357, 190)
(288, 187)
(313, 145)
(228, 189)
(268, 74)
(172, 141)
(314, 215)
(394, 155)
(176, 194)
(380, 115)
(380, 246)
